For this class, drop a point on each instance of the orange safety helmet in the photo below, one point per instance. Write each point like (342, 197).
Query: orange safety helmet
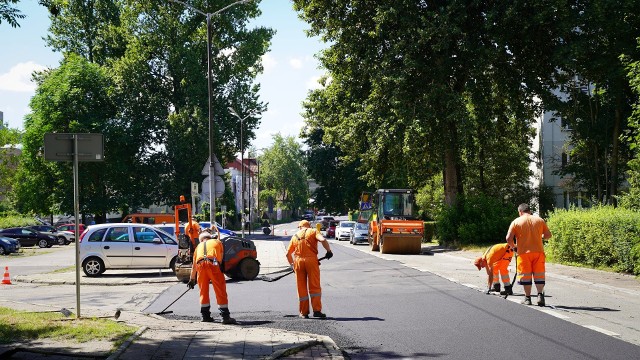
(304, 224)
(480, 262)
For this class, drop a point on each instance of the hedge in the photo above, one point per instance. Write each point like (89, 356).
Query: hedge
(601, 236)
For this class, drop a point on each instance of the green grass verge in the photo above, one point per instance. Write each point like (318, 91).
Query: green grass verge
(16, 326)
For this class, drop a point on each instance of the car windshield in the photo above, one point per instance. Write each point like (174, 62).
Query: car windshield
(347, 224)
(362, 226)
(397, 204)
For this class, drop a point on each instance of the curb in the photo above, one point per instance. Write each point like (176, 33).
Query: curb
(326, 342)
(127, 343)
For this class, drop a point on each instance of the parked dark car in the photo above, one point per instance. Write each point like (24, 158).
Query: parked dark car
(324, 223)
(309, 215)
(8, 245)
(28, 237)
(64, 237)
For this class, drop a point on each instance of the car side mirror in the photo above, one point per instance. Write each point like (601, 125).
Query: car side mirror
(157, 241)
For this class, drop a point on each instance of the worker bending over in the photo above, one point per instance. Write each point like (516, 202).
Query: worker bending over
(304, 246)
(496, 260)
(208, 267)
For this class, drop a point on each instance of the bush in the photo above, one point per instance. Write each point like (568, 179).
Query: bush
(475, 220)
(12, 219)
(601, 236)
(429, 230)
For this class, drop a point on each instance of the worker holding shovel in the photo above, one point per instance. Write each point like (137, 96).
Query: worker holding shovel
(304, 246)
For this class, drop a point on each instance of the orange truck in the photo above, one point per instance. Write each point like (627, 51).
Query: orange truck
(393, 227)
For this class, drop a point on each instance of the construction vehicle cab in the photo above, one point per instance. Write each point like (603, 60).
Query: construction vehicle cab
(393, 227)
(240, 255)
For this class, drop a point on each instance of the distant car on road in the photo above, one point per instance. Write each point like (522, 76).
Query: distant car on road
(64, 237)
(28, 237)
(8, 245)
(309, 215)
(126, 246)
(360, 233)
(223, 231)
(343, 230)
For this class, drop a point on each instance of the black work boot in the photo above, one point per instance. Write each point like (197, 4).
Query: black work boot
(226, 317)
(496, 287)
(206, 314)
(508, 290)
(540, 299)
(319, 314)
(527, 300)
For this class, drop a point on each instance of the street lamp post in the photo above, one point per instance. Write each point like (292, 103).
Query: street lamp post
(212, 170)
(233, 112)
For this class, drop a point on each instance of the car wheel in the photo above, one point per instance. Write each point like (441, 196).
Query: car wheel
(172, 264)
(62, 240)
(43, 243)
(93, 267)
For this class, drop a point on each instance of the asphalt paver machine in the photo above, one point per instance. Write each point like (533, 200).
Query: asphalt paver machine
(240, 255)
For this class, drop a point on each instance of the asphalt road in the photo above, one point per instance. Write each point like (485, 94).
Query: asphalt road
(379, 308)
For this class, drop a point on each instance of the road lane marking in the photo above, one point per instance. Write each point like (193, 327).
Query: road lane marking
(601, 330)
(554, 313)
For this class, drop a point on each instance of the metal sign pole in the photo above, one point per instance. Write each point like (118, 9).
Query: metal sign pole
(76, 214)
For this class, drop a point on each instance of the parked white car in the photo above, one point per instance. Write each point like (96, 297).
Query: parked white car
(126, 246)
(343, 230)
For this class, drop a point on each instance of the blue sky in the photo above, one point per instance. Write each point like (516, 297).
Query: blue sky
(291, 69)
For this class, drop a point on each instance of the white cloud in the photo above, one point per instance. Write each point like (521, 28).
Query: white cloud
(268, 62)
(295, 63)
(313, 83)
(18, 79)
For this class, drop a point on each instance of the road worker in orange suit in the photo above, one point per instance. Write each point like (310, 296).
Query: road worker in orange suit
(496, 261)
(304, 246)
(192, 230)
(530, 230)
(209, 268)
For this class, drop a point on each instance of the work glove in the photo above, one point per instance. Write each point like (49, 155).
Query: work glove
(328, 255)
(191, 284)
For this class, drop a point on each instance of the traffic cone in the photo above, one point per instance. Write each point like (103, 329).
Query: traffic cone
(6, 279)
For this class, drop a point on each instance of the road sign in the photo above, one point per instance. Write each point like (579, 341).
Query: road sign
(194, 188)
(59, 147)
(219, 185)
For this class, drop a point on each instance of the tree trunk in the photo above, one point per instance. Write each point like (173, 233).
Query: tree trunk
(450, 176)
(615, 155)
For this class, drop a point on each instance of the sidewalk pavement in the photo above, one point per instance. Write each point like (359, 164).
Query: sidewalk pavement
(161, 338)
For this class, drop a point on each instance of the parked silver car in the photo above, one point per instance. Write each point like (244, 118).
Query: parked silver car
(360, 233)
(126, 246)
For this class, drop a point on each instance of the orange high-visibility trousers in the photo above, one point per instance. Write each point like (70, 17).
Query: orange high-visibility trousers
(210, 273)
(307, 271)
(501, 272)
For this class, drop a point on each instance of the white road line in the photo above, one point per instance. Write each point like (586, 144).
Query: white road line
(599, 329)
(554, 313)
(471, 286)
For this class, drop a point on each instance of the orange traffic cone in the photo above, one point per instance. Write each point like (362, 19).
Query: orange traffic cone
(6, 279)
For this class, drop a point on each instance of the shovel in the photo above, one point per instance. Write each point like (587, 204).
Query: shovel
(272, 279)
(173, 302)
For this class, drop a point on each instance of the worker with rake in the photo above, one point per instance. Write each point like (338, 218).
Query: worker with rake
(208, 267)
(304, 246)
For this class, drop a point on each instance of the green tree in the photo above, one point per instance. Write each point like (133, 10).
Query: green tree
(595, 95)
(155, 55)
(282, 173)
(435, 87)
(9, 161)
(9, 13)
(631, 199)
(338, 178)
